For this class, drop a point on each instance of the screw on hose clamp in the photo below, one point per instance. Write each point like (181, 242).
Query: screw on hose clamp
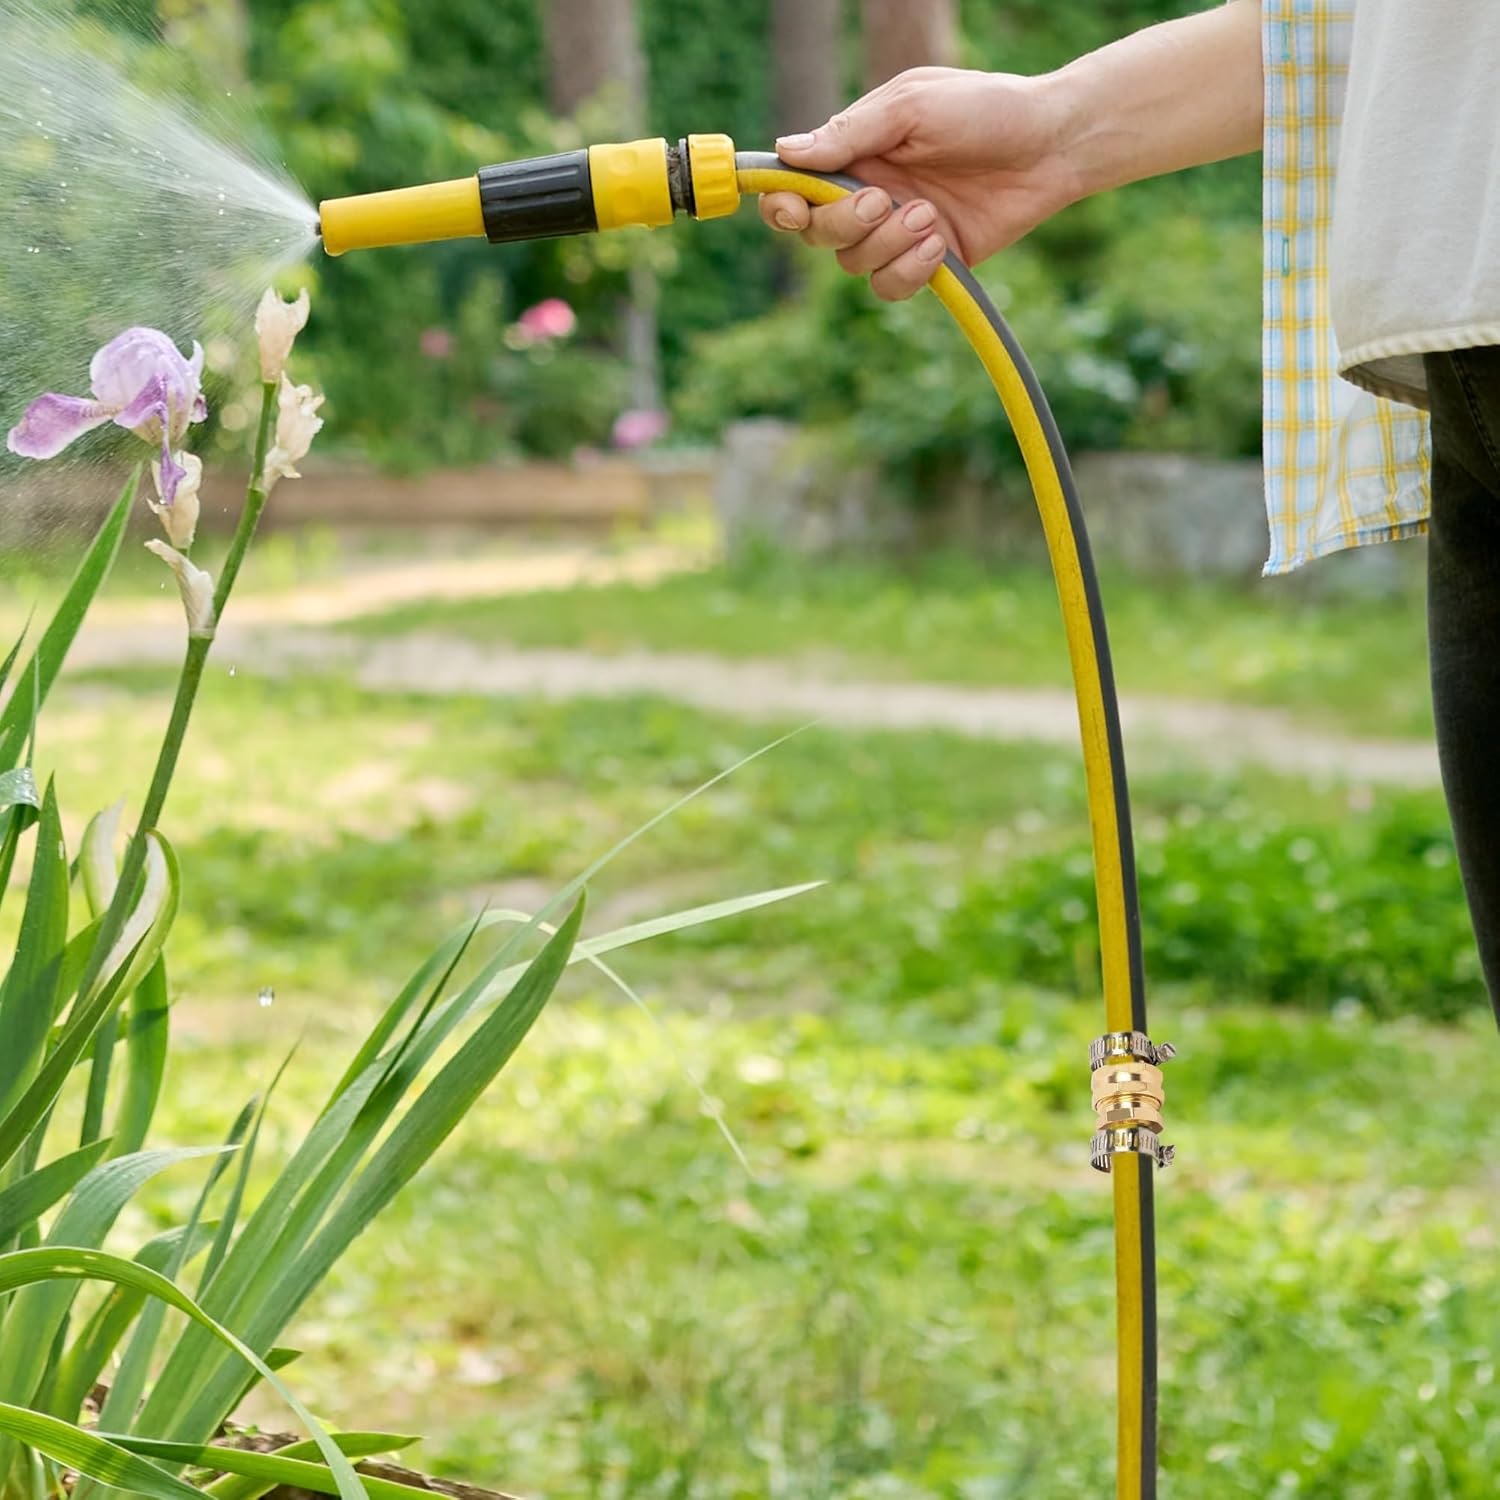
(1124, 1046)
(1138, 1140)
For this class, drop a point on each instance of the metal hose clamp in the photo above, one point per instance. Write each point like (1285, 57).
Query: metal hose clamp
(1136, 1139)
(1128, 1097)
(1128, 1044)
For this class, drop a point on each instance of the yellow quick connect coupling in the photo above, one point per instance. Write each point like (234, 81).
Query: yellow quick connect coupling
(634, 183)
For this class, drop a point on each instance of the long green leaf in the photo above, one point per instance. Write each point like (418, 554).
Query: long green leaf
(642, 932)
(429, 980)
(130, 1379)
(284, 1221)
(196, 1398)
(352, 1124)
(251, 1474)
(147, 1031)
(92, 1455)
(574, 887)
(100, 1065)
(22, 1268)
(12, 825)
(125, 969)
(91, 1349)
(297, 1199)
(37, 1191)
(36, 1314)
(26, 997)
(98, 871)
(237, 1486)
(348, 1142)
(46, 662)
(75, 960)
(10, 657)
(418, 1049)
(588, 948)
(229, 1219)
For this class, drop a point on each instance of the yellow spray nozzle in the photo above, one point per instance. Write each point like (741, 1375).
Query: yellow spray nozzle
(406, 216)
(575, 192)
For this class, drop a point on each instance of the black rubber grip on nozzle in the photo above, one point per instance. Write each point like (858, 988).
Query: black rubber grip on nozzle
(537, 199)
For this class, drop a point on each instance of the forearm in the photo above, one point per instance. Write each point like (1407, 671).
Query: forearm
(1175, 95)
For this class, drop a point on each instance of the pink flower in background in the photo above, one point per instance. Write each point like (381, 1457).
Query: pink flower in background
(640, 428)
(141, 382)
(552, 319)
(436, 343)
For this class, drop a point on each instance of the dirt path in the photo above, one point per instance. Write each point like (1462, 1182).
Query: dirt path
(1213, 734)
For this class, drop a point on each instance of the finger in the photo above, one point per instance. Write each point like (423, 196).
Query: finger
(906, 276)
(836, 226)
(890, 240)
(785, 212)
(869, 127)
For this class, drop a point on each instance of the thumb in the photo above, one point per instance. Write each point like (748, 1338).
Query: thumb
(869, 128)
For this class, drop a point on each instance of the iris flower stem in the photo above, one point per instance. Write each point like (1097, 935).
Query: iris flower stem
(188, 682)
(255, 499)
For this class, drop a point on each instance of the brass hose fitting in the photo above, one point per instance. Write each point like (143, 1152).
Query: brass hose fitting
(1128, 1097)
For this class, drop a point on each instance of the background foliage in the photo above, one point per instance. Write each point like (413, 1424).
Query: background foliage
(364, 94)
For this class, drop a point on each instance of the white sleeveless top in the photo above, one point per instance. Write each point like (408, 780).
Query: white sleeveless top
(1415, 253)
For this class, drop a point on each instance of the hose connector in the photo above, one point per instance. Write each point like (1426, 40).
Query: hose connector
(630, 184)
(1128, 1094)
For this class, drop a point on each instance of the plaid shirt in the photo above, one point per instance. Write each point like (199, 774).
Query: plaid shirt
(1343, 468)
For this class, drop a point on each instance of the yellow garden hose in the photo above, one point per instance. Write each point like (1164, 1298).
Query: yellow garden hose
(646, 182)
(1051, 478)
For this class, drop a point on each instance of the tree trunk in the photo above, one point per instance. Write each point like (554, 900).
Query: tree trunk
(901, 34)
(594, 49)
(593, 45)
(806, 85)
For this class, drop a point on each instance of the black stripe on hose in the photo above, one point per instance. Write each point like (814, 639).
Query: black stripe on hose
(1149, 1389)
(1097, 625)
(1144, 1165)
(767, 161)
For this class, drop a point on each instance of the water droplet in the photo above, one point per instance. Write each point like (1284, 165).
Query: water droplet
(267, 996)
(232, 671)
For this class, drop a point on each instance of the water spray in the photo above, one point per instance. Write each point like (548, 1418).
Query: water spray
(648, 183)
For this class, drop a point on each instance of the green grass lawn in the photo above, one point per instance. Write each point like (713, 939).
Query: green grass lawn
(909, 1294)
(1357, 664)
(585, 1295)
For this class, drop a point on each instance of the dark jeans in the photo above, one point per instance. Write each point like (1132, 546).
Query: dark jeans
(1463, 611)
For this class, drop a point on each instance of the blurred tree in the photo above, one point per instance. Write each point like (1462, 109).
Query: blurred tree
(901, 34)
(594, 56)
(217, 32)
(363, 94)
(593, 45)
(807, 87)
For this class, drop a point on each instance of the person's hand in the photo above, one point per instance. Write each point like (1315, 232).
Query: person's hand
(976, 161)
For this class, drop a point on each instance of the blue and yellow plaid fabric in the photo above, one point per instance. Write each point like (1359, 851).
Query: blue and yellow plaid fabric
(1343, 468)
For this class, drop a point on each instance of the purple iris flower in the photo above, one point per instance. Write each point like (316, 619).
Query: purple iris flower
(141, 382)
